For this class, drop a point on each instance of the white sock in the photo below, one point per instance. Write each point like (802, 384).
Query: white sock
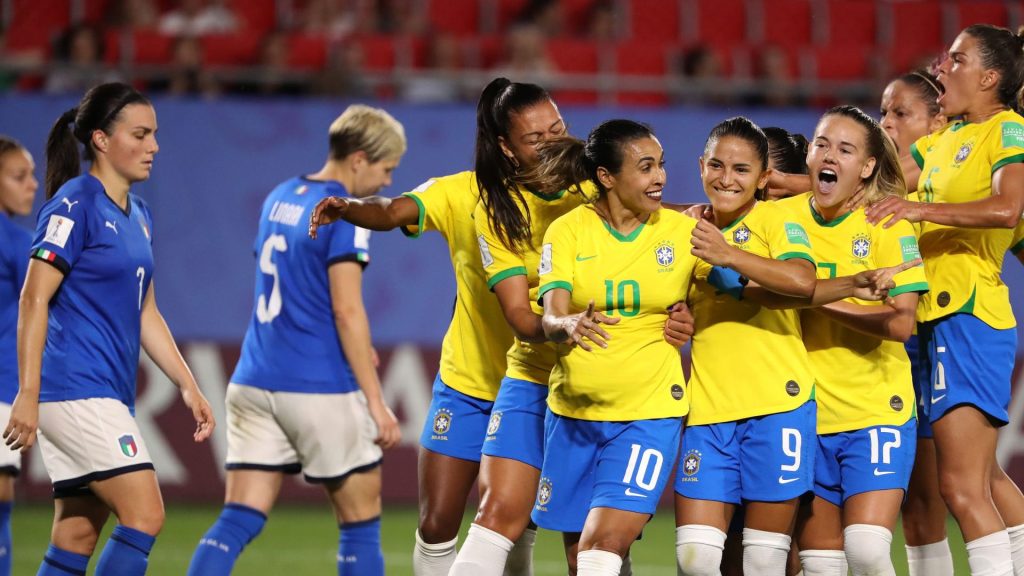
(990, 555)
(520, 559)
(869, 550)
(432, 559)
(823, 562)
(1016, 534)
(483, 553)
(699, 550)
(627, 567)
(598, 563)
(930, 559)
(765, 552)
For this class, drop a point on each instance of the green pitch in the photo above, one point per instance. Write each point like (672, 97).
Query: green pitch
(303, 540)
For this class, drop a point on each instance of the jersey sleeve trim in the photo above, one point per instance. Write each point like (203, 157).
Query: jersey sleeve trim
(551, 286)
(361, 258)
(419, 220)
(915, 287)
(1016, 158)
(517, 271)
(918, 158)
(53, 259)
(1017, 247)
(802, 255)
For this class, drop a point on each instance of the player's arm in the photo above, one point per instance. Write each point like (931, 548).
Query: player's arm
(514, 297)
(157, 341)
(41, 283)
(373, 213)
(791, 184)
(870, 285)
(346, 285)
(893, 320)
(565, 328)
(1000, 210)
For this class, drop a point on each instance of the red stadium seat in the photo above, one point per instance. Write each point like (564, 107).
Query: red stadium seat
(786, 22)
(838, 63)
(655, 20)
(94, 11)
(460, 17)
(258, 15)
(979, 11)
(645, 59)
(722, 22)
(852, 23)
(378, 52)
(150, 47)
(35, 23)
(916, 24)
(307, 51)
(240, 49)
(572, 56)
(509, 11)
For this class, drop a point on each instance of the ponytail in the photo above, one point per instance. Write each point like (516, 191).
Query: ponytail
(561, 164)
(98, 110)
(495, 171)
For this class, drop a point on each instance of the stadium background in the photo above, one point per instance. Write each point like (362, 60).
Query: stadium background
(222, 152)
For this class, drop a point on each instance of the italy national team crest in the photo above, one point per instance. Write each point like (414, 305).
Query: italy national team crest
(861, 246)
(301, 190)
(543, 492)
(691, 462)
(741, 235)
(665, 253)
(963, 153)
(145, 229)
(442, 422)
(494, 423)
(128, 446)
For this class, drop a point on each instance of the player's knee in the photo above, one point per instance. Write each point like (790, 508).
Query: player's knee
(502, 517)
(609, 542)
(868, 548)
(699, 549)
(149, 520)
(435, 528)
(764, 552)
(961, 493)
(79, 539)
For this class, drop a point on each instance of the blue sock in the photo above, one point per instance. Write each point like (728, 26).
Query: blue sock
(126, 552)
(359, 550)
(224, 541)
(59, 562)
(5, 538)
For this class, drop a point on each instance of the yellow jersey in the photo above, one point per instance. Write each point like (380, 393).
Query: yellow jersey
(526, 360)
(1017, 244)
(775, 375)
(634, 278)
(473, 351)
(964, 264)
(861, 380)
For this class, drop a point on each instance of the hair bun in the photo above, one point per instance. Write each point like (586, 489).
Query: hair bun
(69, 116)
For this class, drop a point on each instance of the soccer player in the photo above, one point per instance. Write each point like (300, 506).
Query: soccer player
(751, 444)
(971, 197)
(18, 187)
(1017, 247)
(614, 413)
(866, 409)
(305, 394)
(87, 305)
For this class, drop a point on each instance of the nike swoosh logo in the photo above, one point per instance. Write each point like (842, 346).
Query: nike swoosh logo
(787, 480)
(582, 258)
(881, 473)
(937, 398)
(629, 492)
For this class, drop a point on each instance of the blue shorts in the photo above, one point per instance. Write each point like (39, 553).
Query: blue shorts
(456, 423)
(919, 376)
(865, 460)
(763, 459)
(969, 362)
(516, 427)
(620, 465)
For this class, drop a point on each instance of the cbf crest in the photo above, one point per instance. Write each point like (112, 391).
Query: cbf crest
(665, 254)
(963, 153)
(691, 462)
(494, 423)
(442, 421)
(861, 246)
(741, 235)
(543, 492)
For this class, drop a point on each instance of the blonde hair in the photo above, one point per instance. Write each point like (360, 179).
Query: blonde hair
(369, 129)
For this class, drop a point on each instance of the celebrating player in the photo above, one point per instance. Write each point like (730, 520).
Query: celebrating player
(87, 304)
(305, 395)
(971, 197)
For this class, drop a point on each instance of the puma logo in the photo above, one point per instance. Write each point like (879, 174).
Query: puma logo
(110, 225)
(69, 203)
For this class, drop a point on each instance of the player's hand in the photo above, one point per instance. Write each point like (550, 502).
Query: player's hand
(388, 432)
(587, 326)
(201, 412)
(898, 208)
(679, 326)
(710, 246)
(20, 433)
(700, 212)
(327, 211)
(874, 285)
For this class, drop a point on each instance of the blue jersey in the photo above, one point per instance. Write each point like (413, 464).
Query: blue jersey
(106, 256)
(292, 344)
(14, 245)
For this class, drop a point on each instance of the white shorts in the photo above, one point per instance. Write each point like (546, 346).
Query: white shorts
(83, 441)
(325, 436)
(10, 460)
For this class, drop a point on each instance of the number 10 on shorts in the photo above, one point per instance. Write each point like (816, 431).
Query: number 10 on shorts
(650, 461)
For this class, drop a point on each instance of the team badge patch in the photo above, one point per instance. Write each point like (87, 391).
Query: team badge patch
(58, 230)
(792, 388)
(741, 235)
(909, 248)
(677, 392)
(963, 153)
(128, 446)
(494, 423)
(442, 421)
(665, 254)
(301, 190)
(691, 462)
(896, 403)
(1013, 135)
(485, 251)
(796, 234)
(545, 260)
(544, 492)
(861, 246)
